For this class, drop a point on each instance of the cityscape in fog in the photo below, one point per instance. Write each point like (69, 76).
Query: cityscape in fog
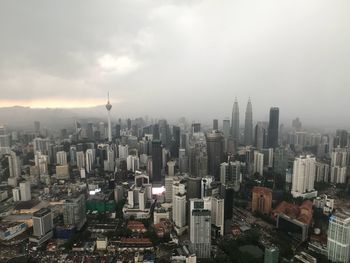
(174, 131)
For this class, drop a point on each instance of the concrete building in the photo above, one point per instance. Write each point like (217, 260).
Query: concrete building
(338, 244)
(261, 199)
(258, 166)
(200, 229)
(304, 173)
(26, 194)
(42, 226)
(74, 211)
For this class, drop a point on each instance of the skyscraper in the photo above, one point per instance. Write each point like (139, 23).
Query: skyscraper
(156, 161)
(215, 124)
(272, 139)
(109, 107)
(43, 224)
(74, 212)
(215, 148)
(304, 172)
(200, 228)
(248, 127)
(338, 244)
(26, 194)
(235, 122)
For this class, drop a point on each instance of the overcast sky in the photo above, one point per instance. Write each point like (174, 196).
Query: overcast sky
(179, 58)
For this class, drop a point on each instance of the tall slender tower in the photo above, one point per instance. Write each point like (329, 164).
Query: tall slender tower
(248, 128)
(235, 122)
(272, 135)
(109, 107)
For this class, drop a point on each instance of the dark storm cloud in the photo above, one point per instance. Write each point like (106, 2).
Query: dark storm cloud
(180, 57)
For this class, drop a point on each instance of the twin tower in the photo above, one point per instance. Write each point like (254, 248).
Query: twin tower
(248, 126)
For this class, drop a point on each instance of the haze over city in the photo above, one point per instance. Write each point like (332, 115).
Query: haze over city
(179, 58)
(181, 131)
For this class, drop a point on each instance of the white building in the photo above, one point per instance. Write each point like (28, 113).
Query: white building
(339, 163)
(304, 172)
(80, 159)
(61, 157)
(200, 228)
(132, 163)
(123, 151)
(89, 159)
(16, 194)
(25, 191)
(338, 244)
(258, 163)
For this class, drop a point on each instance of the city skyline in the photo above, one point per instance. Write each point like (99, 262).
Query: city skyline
(269, 51)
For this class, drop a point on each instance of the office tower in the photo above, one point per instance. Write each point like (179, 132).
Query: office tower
(179, 205)
(80, 160)
(322, 172)
(215, 124)
(164, 132)
(261, 200)
(37, 128)
(248, 127)
(132, 163)
(26, 194)
(338, 243)
(123, 151)
(198, 155)
(43, 223)
(296, 124)
(109, 107)
(73, 155)
(155, 131)
(176, 142)
(194, 187)
(41, 145)
(341, 138)
(183, 161)
(217, 213)
(171, 168)
(74, 211)
(196, 127)
(200, 229)
(156, 161)
(61, 157)
(339, 164)
(215, 148)
(226, 128)
(89, 159)
(169, 180)
(280, 161)
(41, 161)
(235, 122)
(165, 157)
(268, 157)
(117, 131)
(16, 193)
(304, 172)
(14, 165)
(258, 166)
(261, 135)
(272, 135)
(230, 174)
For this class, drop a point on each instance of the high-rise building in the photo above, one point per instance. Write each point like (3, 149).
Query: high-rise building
(273, 128)
(280, 161)
(296, 124)
(261, 135)
(261, 199)
(215, 124)
(176, 142)
(226, 128)
(61, 157)
(80, 159)
(341, 138)
(235, 122)
(338, 244)
(74, 211)
(156, 161)
(89, 159)
(196, 127)
(37, 128)
(215, 148)
(179, 205)
(339, 164)
(26, 194)
(198, 155)
(230, 174)
(132, 163)
(304, 172)
(248, 127)
(109, 107)
(43, 224)
(183, 161)
(258, 166)
(200, 229)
